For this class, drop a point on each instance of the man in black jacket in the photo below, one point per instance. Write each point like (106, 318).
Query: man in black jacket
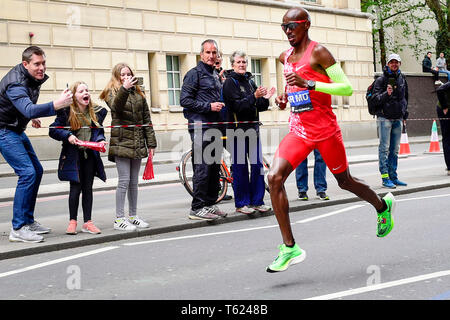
(19, 93)
(443, 93)
(427, 67)
(390, 94)
(200, 99)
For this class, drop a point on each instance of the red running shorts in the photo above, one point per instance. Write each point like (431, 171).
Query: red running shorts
(295, 149)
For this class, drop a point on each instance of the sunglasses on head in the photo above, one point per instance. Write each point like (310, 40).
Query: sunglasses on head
(291, 24)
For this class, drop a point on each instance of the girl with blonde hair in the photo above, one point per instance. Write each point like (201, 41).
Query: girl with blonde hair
(78, 164)
(128, 145)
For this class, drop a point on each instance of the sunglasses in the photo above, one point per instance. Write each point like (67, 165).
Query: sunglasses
(291, 25)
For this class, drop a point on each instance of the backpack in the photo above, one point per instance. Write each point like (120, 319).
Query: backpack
(371, 103)
(372, 106)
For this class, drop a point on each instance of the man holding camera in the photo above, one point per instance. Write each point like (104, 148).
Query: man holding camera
(391, 95)
(19, 93)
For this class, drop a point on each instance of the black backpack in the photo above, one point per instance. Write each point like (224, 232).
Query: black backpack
(371, 103)
(372, 106)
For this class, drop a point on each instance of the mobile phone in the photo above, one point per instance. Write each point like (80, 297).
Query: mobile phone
(392, 82)
(140, 81)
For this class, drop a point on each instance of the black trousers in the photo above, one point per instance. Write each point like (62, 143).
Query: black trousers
(206, 154)
(445, 131)
(86, 172)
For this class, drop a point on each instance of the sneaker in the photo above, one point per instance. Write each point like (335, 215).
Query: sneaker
(38, 228)
(438, 83)
(205, 213)
(218, 212)
(323, 196)
(138, 222)
(90, 228)
(262, 208)
(245, 210)
(388, 183)
(385, 221)
(123, 225)
(227, 197)
(302, 196)
(399, 183)
(287, 257)
(72, 228)
(24, 234)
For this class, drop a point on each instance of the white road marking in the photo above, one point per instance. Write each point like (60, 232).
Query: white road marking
(241, 230)
(425, 197)
(381, 286)
(199, 235)
(330, 214)
(48, 263)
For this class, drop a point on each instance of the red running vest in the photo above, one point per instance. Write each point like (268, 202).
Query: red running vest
(319, 123)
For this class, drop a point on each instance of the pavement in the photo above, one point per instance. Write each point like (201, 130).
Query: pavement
(163, 220)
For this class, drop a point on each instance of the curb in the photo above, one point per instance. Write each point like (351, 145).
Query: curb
(191, 225)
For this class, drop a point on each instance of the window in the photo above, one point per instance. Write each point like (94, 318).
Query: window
(256, 71)
(173, 80)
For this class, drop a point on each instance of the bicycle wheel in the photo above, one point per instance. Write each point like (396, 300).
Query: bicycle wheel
(266, 165)
(186, 173)
(224, 177)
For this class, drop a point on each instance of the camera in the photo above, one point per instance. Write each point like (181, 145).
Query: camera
(140, 81)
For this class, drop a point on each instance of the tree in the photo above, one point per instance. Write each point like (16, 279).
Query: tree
(408, 17)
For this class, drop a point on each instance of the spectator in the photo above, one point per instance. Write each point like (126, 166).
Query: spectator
(218, 65)
(427, 67)
(443, 93)
(200, 99)
(19, 93)
(78, 164)
(320, 182)
(224, 113)
(128, 145)
(244, 101)
(441, 64)
(390, 93)
(312, 75)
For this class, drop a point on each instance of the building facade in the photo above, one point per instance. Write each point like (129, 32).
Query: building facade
(160, 39)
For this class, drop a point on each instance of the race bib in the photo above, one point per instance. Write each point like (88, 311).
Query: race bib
(300, 101)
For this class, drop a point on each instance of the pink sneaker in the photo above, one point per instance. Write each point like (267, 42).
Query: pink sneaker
(72, 228)
(90, 227)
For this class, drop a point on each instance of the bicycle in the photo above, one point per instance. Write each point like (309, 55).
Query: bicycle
(185, 173)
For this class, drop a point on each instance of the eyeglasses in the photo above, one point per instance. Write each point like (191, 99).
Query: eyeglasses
(291, 25)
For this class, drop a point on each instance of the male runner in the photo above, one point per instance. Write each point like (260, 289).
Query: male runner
(312, 75)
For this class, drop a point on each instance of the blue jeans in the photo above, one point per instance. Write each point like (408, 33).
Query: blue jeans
(248, 187)
(17, 150)
(446, 72)
(301, 174)
(389, 132)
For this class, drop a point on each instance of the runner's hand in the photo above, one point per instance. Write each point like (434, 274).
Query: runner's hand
(281, 101)
(294, 79)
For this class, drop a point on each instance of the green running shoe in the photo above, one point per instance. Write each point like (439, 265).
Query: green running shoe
(286, 257)
(386, 219)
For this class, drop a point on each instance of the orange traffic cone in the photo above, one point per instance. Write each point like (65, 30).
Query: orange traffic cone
(404, 144)
(434, 143)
